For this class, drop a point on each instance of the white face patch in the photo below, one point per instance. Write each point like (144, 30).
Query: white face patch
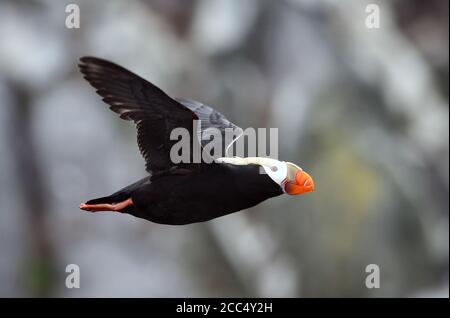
(275, 169)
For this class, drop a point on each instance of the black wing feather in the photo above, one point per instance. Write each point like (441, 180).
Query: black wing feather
(136, 99)
(211, 118)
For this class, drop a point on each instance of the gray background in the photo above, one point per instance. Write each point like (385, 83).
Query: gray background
(365, 111)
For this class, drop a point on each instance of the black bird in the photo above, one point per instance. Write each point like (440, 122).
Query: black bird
(185, 192)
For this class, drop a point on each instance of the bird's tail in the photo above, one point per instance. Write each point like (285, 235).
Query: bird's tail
(121, 195)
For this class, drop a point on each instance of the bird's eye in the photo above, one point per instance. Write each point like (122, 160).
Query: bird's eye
(274, 168)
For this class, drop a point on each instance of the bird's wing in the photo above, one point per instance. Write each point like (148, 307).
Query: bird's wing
(211, 123)
(154, 113)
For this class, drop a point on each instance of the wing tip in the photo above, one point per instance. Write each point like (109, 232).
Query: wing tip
(90, 59)
(86, 62)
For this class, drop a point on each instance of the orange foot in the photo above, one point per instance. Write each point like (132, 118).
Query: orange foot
(116, 207)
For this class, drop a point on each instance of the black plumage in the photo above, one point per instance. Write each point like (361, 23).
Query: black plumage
(172, 193)
(136, 99)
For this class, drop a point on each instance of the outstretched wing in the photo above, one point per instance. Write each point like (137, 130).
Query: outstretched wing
(154, 112)
(212, 123)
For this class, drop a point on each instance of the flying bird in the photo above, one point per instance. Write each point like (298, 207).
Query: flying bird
(185, 192)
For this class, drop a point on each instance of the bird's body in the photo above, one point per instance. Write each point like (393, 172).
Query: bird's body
(186, 192)
(183, 199)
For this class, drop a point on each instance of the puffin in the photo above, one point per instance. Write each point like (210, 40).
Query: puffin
(190, 191)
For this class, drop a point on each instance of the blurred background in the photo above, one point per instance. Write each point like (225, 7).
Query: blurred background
(365, 111)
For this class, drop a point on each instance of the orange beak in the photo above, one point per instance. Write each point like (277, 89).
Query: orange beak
(303, 183)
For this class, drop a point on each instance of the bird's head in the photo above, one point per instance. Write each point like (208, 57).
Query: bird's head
(290, 177)
(297, 180)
